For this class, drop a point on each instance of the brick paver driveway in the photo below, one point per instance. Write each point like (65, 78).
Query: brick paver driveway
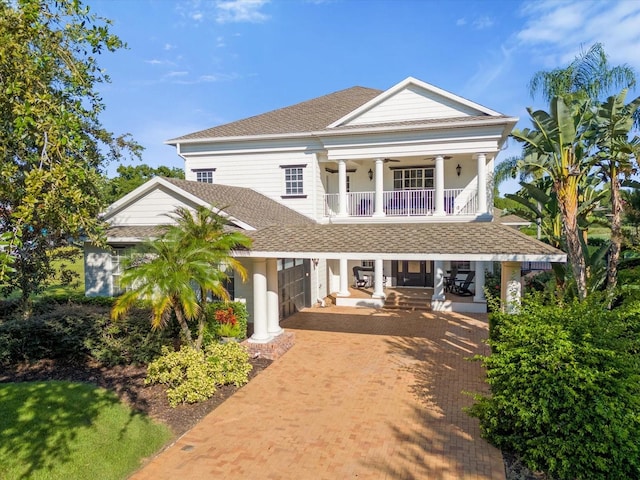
(362, 394)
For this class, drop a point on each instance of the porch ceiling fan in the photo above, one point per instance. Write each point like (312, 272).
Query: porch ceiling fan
(387, 160)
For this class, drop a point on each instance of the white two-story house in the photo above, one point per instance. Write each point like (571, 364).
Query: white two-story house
(397, 182)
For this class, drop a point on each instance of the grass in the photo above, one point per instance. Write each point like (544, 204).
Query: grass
(61, 430)
(75, 265)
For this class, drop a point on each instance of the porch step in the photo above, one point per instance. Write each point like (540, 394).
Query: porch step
(407, 302)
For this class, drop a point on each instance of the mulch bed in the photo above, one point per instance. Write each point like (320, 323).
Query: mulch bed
(127, 381)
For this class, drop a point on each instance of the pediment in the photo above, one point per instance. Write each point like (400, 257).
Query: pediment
(410, 101)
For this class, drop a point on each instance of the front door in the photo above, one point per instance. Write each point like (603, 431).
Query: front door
(413, 273)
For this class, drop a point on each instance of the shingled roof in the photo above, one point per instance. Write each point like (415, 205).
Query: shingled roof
(309, 116)
(448, 239)
(244, 204)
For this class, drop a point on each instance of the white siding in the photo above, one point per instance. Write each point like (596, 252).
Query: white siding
(97, 272)
(413, 103)
(243, 292)
(152, 209)
(262, 172)
(318, 281)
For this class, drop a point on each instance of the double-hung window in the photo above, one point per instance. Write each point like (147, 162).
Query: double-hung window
(413, 178)
(204, 175)
(293, 180)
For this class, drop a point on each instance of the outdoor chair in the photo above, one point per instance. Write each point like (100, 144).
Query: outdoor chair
(450, 281)
(360, 281)
(461, 287)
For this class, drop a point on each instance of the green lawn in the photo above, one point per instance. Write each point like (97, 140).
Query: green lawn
(63, 430)
(76, 265)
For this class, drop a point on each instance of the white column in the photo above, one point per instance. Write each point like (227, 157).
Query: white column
(273, 308)
(378, 282)
(479, 281)
(344, 279)
(439, 184)
(260, 331)
(342, 188)
(482, 183)
(438, 281)
(511, 288)
(379, 207)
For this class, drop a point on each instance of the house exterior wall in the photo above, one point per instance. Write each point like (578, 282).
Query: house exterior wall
(413, 103)
(243, 291)
(263, 172)
(97, 272)
(151, 209)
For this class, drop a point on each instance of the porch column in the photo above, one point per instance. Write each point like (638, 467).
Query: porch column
(273, 310)
(378, 282)
(344, 279)
(479, 281)
(511, 288)
(482, 183)
(260, 331)
(342, 188)
(438, 281)
(379, 206)
(439, 184)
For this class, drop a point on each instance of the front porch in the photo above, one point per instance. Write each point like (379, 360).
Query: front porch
(407, 298)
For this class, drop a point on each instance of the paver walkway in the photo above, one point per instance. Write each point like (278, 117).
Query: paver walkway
(362, 394)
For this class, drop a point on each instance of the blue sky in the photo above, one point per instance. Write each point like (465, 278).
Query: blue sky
(195, 64)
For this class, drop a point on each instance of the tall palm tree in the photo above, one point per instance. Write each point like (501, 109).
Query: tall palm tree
(616, 160)
(557, 148)
(588, 76)
(176, 271)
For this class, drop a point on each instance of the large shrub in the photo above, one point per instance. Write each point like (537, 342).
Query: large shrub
(565, 388)
(192, 375)
(62, 328)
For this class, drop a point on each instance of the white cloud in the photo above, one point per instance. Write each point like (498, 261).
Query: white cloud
(177, 74)
(461, 22)
(221, 11)
(556, 31)
(235, 11)
(168, 46)
(483, 22)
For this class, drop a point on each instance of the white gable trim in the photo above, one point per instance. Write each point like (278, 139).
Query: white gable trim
(155, 182)
(404, 84)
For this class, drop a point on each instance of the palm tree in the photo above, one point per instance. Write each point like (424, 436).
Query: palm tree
(588, 76)
(615, 157)
(175, 271)
(557, 148)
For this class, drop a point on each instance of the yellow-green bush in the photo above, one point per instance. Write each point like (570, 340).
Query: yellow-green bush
(192, 375)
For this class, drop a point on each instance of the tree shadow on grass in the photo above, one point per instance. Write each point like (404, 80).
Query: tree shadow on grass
(42, 420)
(440, 440)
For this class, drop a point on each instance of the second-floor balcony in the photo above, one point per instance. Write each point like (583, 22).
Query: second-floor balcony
(457, 201)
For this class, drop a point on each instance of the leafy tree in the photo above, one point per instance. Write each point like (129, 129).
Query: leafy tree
(131, 177)
(616, 160)
(557, 147)
(589, 77)
(175, 271)
(631, 208)
(52, 144)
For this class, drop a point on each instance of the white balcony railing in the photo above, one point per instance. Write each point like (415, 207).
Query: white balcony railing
(404, 203)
